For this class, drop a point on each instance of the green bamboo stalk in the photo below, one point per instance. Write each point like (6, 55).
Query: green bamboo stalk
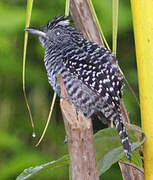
(142, 12)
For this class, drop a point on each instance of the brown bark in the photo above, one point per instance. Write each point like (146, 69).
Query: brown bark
(80, 140)
(85, 22)
(131, 171)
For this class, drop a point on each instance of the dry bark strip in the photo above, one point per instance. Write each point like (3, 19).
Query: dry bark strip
(85, 22)
(80, 140)
(131, 171)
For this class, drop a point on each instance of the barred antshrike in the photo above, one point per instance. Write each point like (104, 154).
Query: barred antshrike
(89, 71)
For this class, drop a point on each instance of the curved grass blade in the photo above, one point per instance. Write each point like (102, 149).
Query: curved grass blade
(48, 120)
(67, 9)
(98, 24)
(132, 91)
(28, 17)
(115, 5)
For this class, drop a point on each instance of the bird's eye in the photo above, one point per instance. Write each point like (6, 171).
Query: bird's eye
(57, 33)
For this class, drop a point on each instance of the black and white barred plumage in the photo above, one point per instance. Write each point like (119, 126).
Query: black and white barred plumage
(90, 72)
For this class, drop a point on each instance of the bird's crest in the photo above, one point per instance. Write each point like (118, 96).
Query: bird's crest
(58, 20)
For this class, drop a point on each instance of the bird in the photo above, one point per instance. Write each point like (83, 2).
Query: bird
(90, 72)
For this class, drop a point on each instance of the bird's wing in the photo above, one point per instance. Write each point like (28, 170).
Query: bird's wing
(96, 67)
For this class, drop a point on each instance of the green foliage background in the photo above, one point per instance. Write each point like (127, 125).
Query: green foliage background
(17, 150)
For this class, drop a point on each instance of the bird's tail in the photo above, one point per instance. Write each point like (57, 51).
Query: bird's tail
(124, 137)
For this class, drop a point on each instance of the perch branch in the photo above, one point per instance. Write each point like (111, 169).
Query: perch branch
(80, 139)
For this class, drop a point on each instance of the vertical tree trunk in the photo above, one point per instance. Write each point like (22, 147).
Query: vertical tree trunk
(80, 140)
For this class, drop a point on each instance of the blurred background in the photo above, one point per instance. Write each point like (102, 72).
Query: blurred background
(17, 147)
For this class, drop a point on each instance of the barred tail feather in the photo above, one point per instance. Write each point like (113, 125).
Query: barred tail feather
(124, 137)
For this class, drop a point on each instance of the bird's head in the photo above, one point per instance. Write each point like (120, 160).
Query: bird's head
(54, 33)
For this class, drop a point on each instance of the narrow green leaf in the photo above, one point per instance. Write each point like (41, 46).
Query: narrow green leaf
(98, 24)
(27, 173)
(115, 5)
(67, 7)
(48, 120)
(115, 8)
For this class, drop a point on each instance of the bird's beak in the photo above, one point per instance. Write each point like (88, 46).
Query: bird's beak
(36, 31)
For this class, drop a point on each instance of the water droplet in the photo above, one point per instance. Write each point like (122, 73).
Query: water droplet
(66, 139)
(33, 134)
